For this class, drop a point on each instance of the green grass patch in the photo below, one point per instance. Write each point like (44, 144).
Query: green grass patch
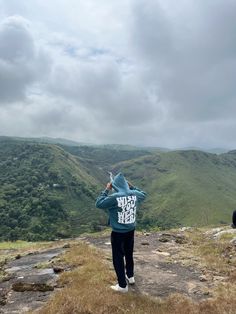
(21, 245)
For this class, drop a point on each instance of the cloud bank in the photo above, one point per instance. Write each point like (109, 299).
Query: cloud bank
(137, 72)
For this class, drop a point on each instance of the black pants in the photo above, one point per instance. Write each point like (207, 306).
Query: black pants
(123, 246)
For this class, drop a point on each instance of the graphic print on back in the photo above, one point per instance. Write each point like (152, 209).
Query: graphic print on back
(128, 205)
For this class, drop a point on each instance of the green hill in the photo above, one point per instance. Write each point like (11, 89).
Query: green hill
(185, 187)
(44, 193)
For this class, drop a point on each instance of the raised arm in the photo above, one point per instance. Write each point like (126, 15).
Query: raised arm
(141, 195)
(105, 201)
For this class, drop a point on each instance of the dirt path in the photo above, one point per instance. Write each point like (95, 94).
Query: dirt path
(27, 287)
(157, 272)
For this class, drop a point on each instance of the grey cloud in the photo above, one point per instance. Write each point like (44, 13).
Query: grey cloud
(54, 116)
(152, 32)
(192, 57)
(61, 118)
(21, 61)
(208, 134)
(83, 81)
(16, 43)
(102, 88)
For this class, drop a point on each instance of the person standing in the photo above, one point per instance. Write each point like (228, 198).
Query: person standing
(233, 225)
(122, 205)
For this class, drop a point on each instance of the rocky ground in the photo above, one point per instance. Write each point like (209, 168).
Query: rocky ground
(165, 263)
(28, 281)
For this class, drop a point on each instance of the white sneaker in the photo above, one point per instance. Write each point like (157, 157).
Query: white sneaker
(119, 289)
(130, 280)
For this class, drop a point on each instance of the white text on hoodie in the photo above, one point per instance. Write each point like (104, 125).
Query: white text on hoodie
(128, 205)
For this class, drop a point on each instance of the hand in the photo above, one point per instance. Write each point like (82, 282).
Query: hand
(109, 186)
(130, 185)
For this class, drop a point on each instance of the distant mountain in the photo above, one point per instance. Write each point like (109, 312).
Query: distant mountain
(133, 147)
(46, 140)
(105, 156)
(207, 150)
(216, 150)
(117, 147)
(66, 142)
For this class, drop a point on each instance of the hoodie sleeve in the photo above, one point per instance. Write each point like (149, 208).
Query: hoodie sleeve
(104, 201)
(141, 195)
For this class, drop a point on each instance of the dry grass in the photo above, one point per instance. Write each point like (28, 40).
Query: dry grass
(87, 287)
(86, 290)
(215, 255)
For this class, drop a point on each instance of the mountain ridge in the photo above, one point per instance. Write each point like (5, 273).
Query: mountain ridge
(41, 181)
(68, 142)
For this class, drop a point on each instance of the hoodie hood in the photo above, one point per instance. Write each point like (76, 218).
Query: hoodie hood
(119, 183)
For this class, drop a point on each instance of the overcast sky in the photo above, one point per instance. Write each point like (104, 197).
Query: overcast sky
(142, 72)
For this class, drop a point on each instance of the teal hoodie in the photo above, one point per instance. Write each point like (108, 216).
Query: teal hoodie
(122, 204)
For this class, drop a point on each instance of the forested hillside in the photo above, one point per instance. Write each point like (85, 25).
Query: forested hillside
(44, 193)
